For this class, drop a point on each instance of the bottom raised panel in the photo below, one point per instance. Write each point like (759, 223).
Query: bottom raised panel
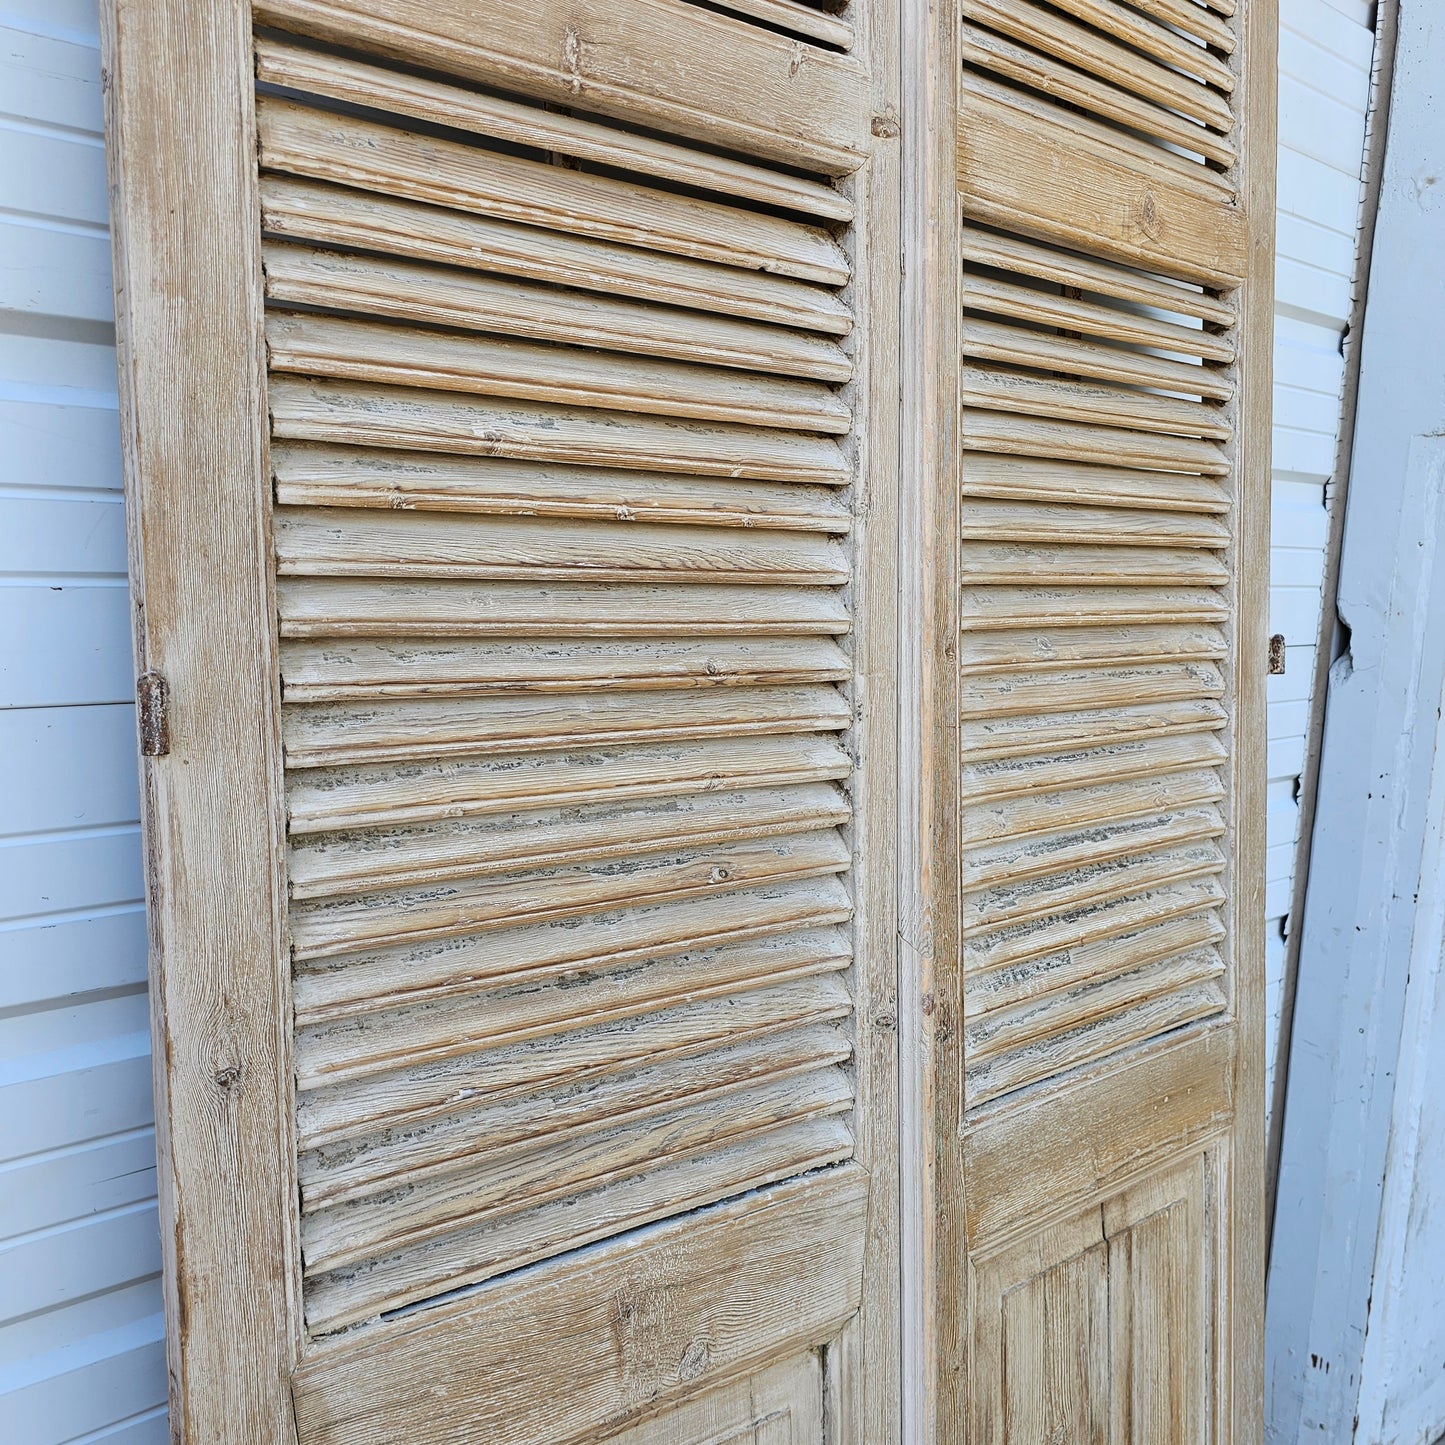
(709, 1323)
(1102, 1328)
(779, 1406)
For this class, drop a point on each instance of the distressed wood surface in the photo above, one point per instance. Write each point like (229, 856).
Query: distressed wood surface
(184, 225)
(652, 62)
(574, 558)
(1110, 165)
(626, 1328)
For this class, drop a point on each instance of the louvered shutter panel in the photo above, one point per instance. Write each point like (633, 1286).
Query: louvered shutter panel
(1104, 676)
(504, 402)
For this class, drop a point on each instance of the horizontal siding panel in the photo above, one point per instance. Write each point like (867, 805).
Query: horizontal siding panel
(59, 177)
(54, 272)
(61, 447)
(49, 537)
(54, 81)
(67, 767)
(62, 646)
(87, 1092)
(113, 1375)
(1295, 612)
(1305, 453)
(68, 875)
(46, 962)
(1316, 124)
(66, 1263)
(93, 1178)
(1317, 192)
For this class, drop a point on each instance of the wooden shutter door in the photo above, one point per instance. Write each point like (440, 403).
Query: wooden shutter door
(511, 466)
(1097, 677)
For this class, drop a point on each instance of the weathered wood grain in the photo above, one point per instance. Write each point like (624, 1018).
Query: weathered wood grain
(401, 417)
(320, 145)
(1106, 196)
(653, 62)
(315, 72)
(794, 1250)
(317, 476)
(335, 215)
(407, 291)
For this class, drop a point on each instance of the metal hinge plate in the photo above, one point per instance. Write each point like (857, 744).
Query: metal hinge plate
(153, 707)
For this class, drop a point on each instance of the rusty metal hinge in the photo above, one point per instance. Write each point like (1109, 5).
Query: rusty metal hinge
(153, 714)
(1276, 654)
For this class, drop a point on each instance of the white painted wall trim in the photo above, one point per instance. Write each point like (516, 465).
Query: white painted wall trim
(1375, 781)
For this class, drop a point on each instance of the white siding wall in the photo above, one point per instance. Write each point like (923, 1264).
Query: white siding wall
(80, 1324)
(81, 1355)
(1324, 58)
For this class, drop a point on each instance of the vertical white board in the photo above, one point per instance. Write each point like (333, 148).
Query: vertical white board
(81, 1355)
(1358, 1264)
(1325, 52)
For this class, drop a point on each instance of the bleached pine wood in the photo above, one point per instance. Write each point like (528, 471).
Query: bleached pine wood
(577, 595)
(1096, 703)
(624, 61)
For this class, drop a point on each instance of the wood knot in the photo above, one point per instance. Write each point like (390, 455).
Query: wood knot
(228, 1077)
(886, 127)
(694, 1360)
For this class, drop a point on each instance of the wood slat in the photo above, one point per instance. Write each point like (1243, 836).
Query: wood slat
(1058, 903)
(1013, 1029)
(1005, 988)
(1092, 923)
(1070, 442)
(1055, 650)
(987, 51)
(395, 797)
(1194, 19)
(430, 729)
(415, 607)
(335, 215)
(1104, 278)
(332, 671)
(1114, 323)
(757, 934)
(981, 739)
(790, 15)
(355, 1081)
(470, 1256)
(1095, 193)
(318, 476)
(356, 862)
(351, 350)
(1150, 1016)
(282, 63)
(516, 1182)
(1146, 758)
(1094, 406)
(413, 292)
(367, 1166)
(329, 541)
(1067, 810)
(319, 145)
(1044, 482)
(1087, 565)
(398, 917)
(410, 419)
(1019, 346)
(1040, 694)
(1161, 41)
(986, 608)
(1105, 840)
(1115, 60)
(1042, 523)
(623, 61)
